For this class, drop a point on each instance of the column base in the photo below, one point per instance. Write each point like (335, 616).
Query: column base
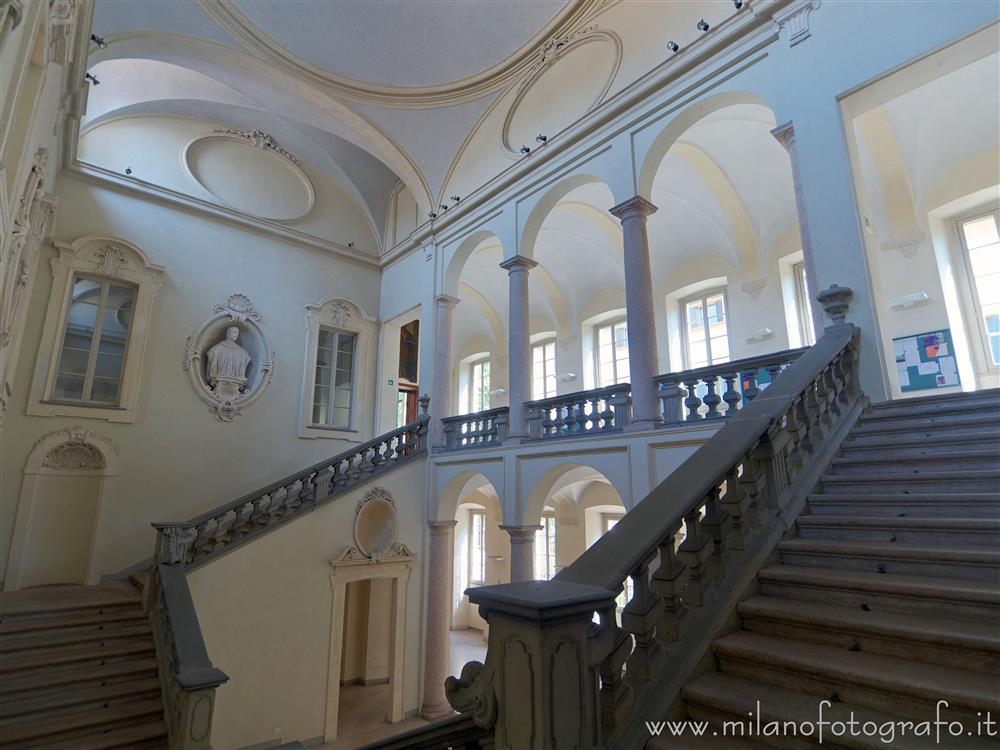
(436, 711)
(644, 424)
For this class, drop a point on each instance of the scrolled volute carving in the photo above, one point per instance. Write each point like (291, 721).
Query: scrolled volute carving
(472, 692)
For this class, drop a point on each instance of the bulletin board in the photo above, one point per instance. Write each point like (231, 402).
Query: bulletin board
(926, 361)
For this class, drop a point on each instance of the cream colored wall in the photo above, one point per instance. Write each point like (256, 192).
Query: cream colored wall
(177, 459)
(265, 613)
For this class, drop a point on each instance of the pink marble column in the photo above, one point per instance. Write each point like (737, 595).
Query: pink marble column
(640, 312)
(435, 705)
(442, 399)
(522, 552)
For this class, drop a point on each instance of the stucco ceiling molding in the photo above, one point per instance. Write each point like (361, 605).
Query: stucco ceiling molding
(253, 38)
(546, 57)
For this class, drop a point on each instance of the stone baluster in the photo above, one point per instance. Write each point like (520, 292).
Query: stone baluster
(711, 399)
(622, 408)
(732, 396)
(752, 481)
(694, 552)
(639, 618)
(668, 582)
(692, 402)
(734, 504)
(616, 696)
(753, 388)
(716, 523)
(671, 400)
(536, 423)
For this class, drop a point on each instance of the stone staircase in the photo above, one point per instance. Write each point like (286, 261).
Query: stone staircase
(884, 599)
(78, 670)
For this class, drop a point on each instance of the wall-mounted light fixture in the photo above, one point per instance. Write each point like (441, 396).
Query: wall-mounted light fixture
(92, 78)
(443, 206)
(908, 300)
(673, 46)
(128, 170)
(99, 41)
(525, 150)
(431, 215)
(758, 335)
(541, 138)
(703, 25)
(350, 245)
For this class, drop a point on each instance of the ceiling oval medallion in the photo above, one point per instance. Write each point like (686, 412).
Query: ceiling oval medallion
(248, 171)
(570, 77)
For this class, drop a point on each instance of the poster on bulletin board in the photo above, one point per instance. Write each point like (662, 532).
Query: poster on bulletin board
(926, 361)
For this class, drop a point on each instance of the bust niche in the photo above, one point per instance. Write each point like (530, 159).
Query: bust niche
(229, 358)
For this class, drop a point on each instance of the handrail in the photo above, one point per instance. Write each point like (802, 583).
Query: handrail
(729, 503)
(227, 526)
(677, 388)
(187, 676)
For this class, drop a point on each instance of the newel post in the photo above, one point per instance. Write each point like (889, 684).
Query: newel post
(540, 687)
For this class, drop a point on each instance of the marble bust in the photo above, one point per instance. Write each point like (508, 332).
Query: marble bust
(227, 366)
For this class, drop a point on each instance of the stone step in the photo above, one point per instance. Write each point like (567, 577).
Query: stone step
(79, 698)
(47, 601)
(930, 441)
(882, 683)
(917, 461)
(961, 599)
(931, 423)
(937, 640)
(975, 532)
(921, 436)
(931, 505)
(966, 563)
(988, 397)
(63, 637)
(915, 482)
(55, 680)
(979, 405)
(721, 697)
(149, 735)
(65, 623)
(68, 725)
(61, 658)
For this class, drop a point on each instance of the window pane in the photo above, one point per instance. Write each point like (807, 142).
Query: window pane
(477, 547)
(74, 361)
(108, 366)
(68, 387)
(319, 414)
(104, 391)
(979, 232)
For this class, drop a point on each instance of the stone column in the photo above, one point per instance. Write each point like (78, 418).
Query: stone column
(519, 345)
(435, 705)
(441, 397)
(522, 552)
(785, 135)
(641, 313)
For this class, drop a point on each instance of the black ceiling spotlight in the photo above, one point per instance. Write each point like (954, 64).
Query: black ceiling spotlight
(350, 245)
(442, 206)
(525, 150)
(541, 138)
(702, 25)
(92, 78)
(738, 4)
(99, 41)
(456, 198)
(431, 215)
(673, 46)
(128, 170)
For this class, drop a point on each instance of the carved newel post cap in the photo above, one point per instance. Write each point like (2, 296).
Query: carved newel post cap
(424, 402)
(836, 301)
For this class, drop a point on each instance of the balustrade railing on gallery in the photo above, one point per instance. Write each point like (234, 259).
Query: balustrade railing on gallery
(584, 679)
(582, 413)
(695, 394)
(476, 430)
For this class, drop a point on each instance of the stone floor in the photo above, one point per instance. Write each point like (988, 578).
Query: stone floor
(363, 707)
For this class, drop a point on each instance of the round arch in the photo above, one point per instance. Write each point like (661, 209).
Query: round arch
(461, 254)
(658, 149)
(599, 469)
(462, 484)
(543, 207)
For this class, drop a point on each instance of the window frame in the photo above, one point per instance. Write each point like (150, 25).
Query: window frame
(337, 332)
(473, 514)
(104, 259)
(969, 280)
(598, 327)
(542, 344)
(90, 371)
(685, 335)
(803, 310)
(472, 380)
(547, 520)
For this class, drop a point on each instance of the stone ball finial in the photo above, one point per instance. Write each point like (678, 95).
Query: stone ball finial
(836, 301)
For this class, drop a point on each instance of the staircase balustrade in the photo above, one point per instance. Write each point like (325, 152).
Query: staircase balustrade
(476, 430)
(187, 678)
(563, 667)
(583, 413)
(695, 394)
(220, 530)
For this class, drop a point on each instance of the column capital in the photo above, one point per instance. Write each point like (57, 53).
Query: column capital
(517, 263)
(521, 533)
(447, 299)
(637, 205)
(441, 527)
(785, 135)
